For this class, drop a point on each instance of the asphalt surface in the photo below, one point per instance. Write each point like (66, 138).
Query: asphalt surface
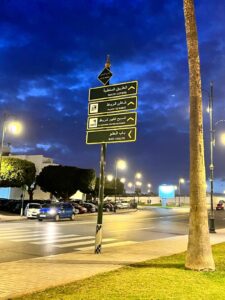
(31, 239)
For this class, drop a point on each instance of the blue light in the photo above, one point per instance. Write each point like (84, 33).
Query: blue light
(166, 191)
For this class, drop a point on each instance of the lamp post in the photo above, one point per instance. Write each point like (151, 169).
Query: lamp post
(138, 184)
(14, 127)
(109, 177)
(211, 166)
(137, 176)
(181, 181)
(122, 165)
(149, 191)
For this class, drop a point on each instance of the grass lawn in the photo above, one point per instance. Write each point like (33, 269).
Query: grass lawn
(163, 278)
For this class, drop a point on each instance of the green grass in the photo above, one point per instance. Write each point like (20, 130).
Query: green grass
(163, 278)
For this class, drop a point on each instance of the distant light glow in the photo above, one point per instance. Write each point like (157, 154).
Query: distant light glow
(222, 138)
(181, 180)
(121, 164)
(123, 180)
(138, 175)
(130, 184)
(109, 177)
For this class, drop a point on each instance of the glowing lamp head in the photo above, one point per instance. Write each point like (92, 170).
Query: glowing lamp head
(130, 184)
(181, 180)
(138, 175)
(222, 138)
(109, 177)
(15, 127)
(121, 164)
(123, 180)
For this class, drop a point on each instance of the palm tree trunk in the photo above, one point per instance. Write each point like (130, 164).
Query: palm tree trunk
(199, 253)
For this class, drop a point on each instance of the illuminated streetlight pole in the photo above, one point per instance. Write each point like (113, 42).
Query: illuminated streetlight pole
(137, 176)
(122, 165)
(14, 127)
(181, 180)
(149, 191)
(109, 177)
(139, 184)
(211, 166)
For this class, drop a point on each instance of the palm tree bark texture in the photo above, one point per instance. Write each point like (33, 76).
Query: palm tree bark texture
(199, 253)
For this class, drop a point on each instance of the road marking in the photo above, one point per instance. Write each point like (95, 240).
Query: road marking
(82, 243)
(116, 244)
(13, 233)
(75, 238)
(130, 229)
(25, 235)
(42, 236)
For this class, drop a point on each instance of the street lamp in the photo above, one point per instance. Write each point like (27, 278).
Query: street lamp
(123, 180)
(14, 127)
(149, 187)
(181, 181)
(109, 177)
(130, 184)
(137, 176)
(138, 184)
(121, 165)
(211, 166)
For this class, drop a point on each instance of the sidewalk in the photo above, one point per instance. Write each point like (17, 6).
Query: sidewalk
(30, 275)
(4, 217)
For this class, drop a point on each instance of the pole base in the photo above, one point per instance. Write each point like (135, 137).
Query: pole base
(212, 225)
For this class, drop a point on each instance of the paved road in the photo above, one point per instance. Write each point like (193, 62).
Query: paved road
(30, 239)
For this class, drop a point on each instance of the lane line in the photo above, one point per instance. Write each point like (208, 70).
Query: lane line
(43, 237)
(116, 244)
(81, 243)
(64, 240)
(25, 235)
(131, 229)
(10, 233)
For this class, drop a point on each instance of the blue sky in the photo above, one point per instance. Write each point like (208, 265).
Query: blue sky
(51, 53)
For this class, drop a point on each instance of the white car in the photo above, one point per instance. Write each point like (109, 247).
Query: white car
(123, 204)
(32, 210)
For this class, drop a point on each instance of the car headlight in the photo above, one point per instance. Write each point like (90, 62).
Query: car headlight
(52, 211)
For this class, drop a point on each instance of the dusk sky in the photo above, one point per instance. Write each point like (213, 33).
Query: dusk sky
(52, 51)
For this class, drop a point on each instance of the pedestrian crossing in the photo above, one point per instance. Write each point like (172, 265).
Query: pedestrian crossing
(57, 240)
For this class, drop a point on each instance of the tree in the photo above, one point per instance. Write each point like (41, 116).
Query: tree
(199, 253)
(64, 181)
(17, 172)
(109, 188)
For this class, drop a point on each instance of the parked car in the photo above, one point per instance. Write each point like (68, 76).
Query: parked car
(57, 211)
(220, 205)
(91, 208)
(32, 210)
(81, 209)
(108, 206)
(123, 204)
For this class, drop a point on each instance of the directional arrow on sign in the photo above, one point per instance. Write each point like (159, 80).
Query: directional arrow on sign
(112, 106)
(112, 121)
(113, 90)
(121, 135)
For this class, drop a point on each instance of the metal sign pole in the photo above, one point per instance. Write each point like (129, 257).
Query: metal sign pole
(98, 236)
